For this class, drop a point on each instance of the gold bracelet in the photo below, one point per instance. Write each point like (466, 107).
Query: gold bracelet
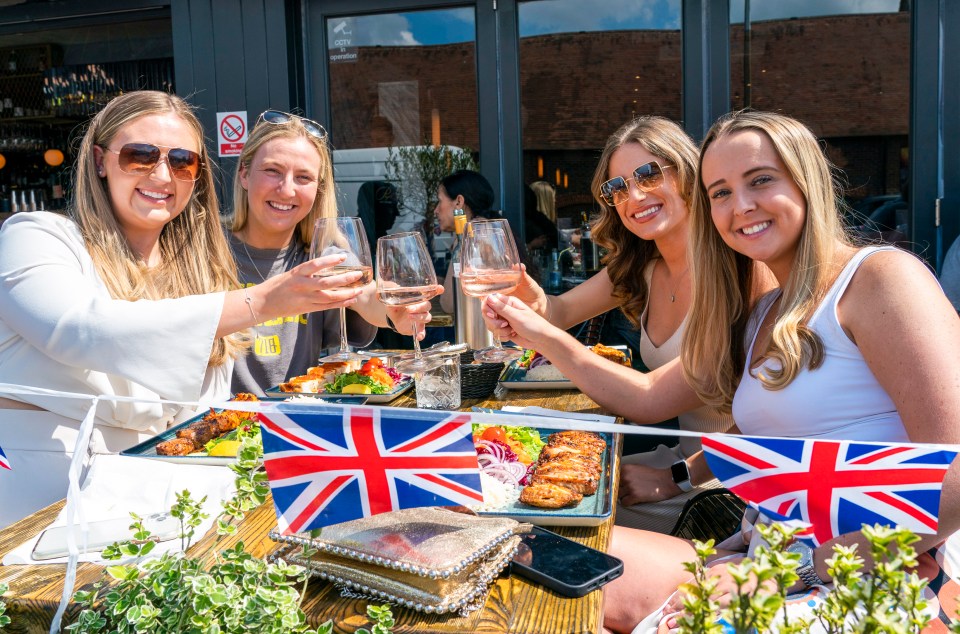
(249, 302)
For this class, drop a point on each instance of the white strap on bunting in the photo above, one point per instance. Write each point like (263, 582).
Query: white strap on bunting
(74, 512)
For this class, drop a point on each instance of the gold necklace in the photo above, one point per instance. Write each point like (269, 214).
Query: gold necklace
(673, 294)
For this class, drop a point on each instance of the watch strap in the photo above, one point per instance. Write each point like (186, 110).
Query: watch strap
(681, 475)
(808, 575)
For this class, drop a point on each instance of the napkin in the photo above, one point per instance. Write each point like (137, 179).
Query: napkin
(117, 485)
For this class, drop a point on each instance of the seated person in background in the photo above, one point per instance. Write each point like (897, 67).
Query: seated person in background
(283, 183)
(470, 192)
(133, 293)
(539, 229)
(833, 352)
(643, 184)
(950, 274)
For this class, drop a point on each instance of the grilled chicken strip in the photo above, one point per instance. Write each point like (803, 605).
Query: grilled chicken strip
(549, 496)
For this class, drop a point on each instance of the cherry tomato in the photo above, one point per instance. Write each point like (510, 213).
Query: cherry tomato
(494, 433)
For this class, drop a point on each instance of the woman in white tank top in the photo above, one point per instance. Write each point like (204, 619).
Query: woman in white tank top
(855, 343)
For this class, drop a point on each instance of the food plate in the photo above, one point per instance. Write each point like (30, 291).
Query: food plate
(377, 399)
(148, 448)
(514, 377)
(593, 510)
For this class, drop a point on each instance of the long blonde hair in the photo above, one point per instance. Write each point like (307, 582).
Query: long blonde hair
(325, 204)
(195, 258)
(627, 255)
(546, 199)
(713, 349)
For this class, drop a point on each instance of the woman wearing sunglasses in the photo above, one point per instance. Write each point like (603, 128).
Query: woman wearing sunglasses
(283, 183)
(132, 294)
(643, 185)
(834, 351)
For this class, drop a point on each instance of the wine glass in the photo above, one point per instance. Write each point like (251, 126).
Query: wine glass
(343, 235)
(405, 275)
(488, 264)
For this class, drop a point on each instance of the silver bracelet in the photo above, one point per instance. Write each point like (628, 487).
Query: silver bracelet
(249, 302)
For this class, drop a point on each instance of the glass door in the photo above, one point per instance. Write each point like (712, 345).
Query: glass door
(401, 101)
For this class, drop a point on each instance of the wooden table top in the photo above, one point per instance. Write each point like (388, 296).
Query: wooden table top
(514, 604)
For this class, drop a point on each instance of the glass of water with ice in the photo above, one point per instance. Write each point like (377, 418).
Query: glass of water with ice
(439, 387)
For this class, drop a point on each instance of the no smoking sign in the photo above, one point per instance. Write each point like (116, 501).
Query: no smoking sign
(231, 132)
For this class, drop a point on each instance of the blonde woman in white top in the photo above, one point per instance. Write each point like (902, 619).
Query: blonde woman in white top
(133, 294)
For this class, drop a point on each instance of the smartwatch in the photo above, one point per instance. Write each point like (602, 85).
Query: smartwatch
(681, 475)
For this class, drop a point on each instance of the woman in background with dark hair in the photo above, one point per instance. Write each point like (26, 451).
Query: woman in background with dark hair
(468, 193)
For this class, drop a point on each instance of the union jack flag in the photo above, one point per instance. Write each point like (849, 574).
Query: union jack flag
(4, 462)
(835, 487)
(333, 464)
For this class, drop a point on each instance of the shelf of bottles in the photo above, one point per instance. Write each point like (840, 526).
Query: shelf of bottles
(79, 91)
(43, 104)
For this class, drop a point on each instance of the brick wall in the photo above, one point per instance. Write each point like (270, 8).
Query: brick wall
(845, 76)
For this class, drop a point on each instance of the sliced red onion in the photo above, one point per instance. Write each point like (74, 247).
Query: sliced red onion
(539, 360)
(506, 472)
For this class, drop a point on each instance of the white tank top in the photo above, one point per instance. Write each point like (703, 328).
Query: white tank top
(703, 419)
(839, 400)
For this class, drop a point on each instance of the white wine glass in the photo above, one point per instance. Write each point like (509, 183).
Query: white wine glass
(489, 263)
(405, 275)
(343, 235)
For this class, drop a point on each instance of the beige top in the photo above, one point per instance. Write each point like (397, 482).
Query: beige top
(704, 419)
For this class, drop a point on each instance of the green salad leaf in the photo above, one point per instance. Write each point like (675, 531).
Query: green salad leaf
(526, 358)
(355, 377)
(528, 437)
(248, 428)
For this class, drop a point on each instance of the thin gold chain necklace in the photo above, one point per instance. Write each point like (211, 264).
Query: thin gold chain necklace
(673, 293)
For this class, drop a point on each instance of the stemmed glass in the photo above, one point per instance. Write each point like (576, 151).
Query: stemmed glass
(489, 263)
(405, 275)
(343, 235)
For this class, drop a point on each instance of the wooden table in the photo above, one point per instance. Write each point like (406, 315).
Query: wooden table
(514, 604)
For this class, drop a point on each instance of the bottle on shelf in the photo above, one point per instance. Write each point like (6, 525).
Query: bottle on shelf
(586, 244)
(554, 274)
(12, 62)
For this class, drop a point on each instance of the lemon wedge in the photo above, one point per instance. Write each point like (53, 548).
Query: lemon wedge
(356, 388)
(226, 448)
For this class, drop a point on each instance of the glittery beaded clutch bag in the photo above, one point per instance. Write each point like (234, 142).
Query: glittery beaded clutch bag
(429, 559)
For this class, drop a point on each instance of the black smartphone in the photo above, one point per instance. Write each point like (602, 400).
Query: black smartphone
(563, 565)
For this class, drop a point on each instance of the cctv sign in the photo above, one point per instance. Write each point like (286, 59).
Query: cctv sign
(340, 41)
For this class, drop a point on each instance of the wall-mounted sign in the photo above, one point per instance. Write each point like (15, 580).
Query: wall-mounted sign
(340, 41)
(231, 132)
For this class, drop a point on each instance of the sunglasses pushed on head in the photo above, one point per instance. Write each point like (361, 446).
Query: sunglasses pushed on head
(277, 117)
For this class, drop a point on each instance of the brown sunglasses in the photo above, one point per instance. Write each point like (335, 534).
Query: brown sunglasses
(648, 177)
(143, 158)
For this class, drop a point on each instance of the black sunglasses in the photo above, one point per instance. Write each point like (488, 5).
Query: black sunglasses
(277, 117)
(648, 177)
(143, 158)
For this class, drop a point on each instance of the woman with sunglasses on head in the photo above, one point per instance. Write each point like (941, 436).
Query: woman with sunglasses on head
(132, 294)
(643, 185)
(833, 352)
(283, 183)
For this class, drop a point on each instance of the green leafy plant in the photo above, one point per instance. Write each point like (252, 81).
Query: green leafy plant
(418, 170)
(175, 593)
(887, 599)
(4, 619)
